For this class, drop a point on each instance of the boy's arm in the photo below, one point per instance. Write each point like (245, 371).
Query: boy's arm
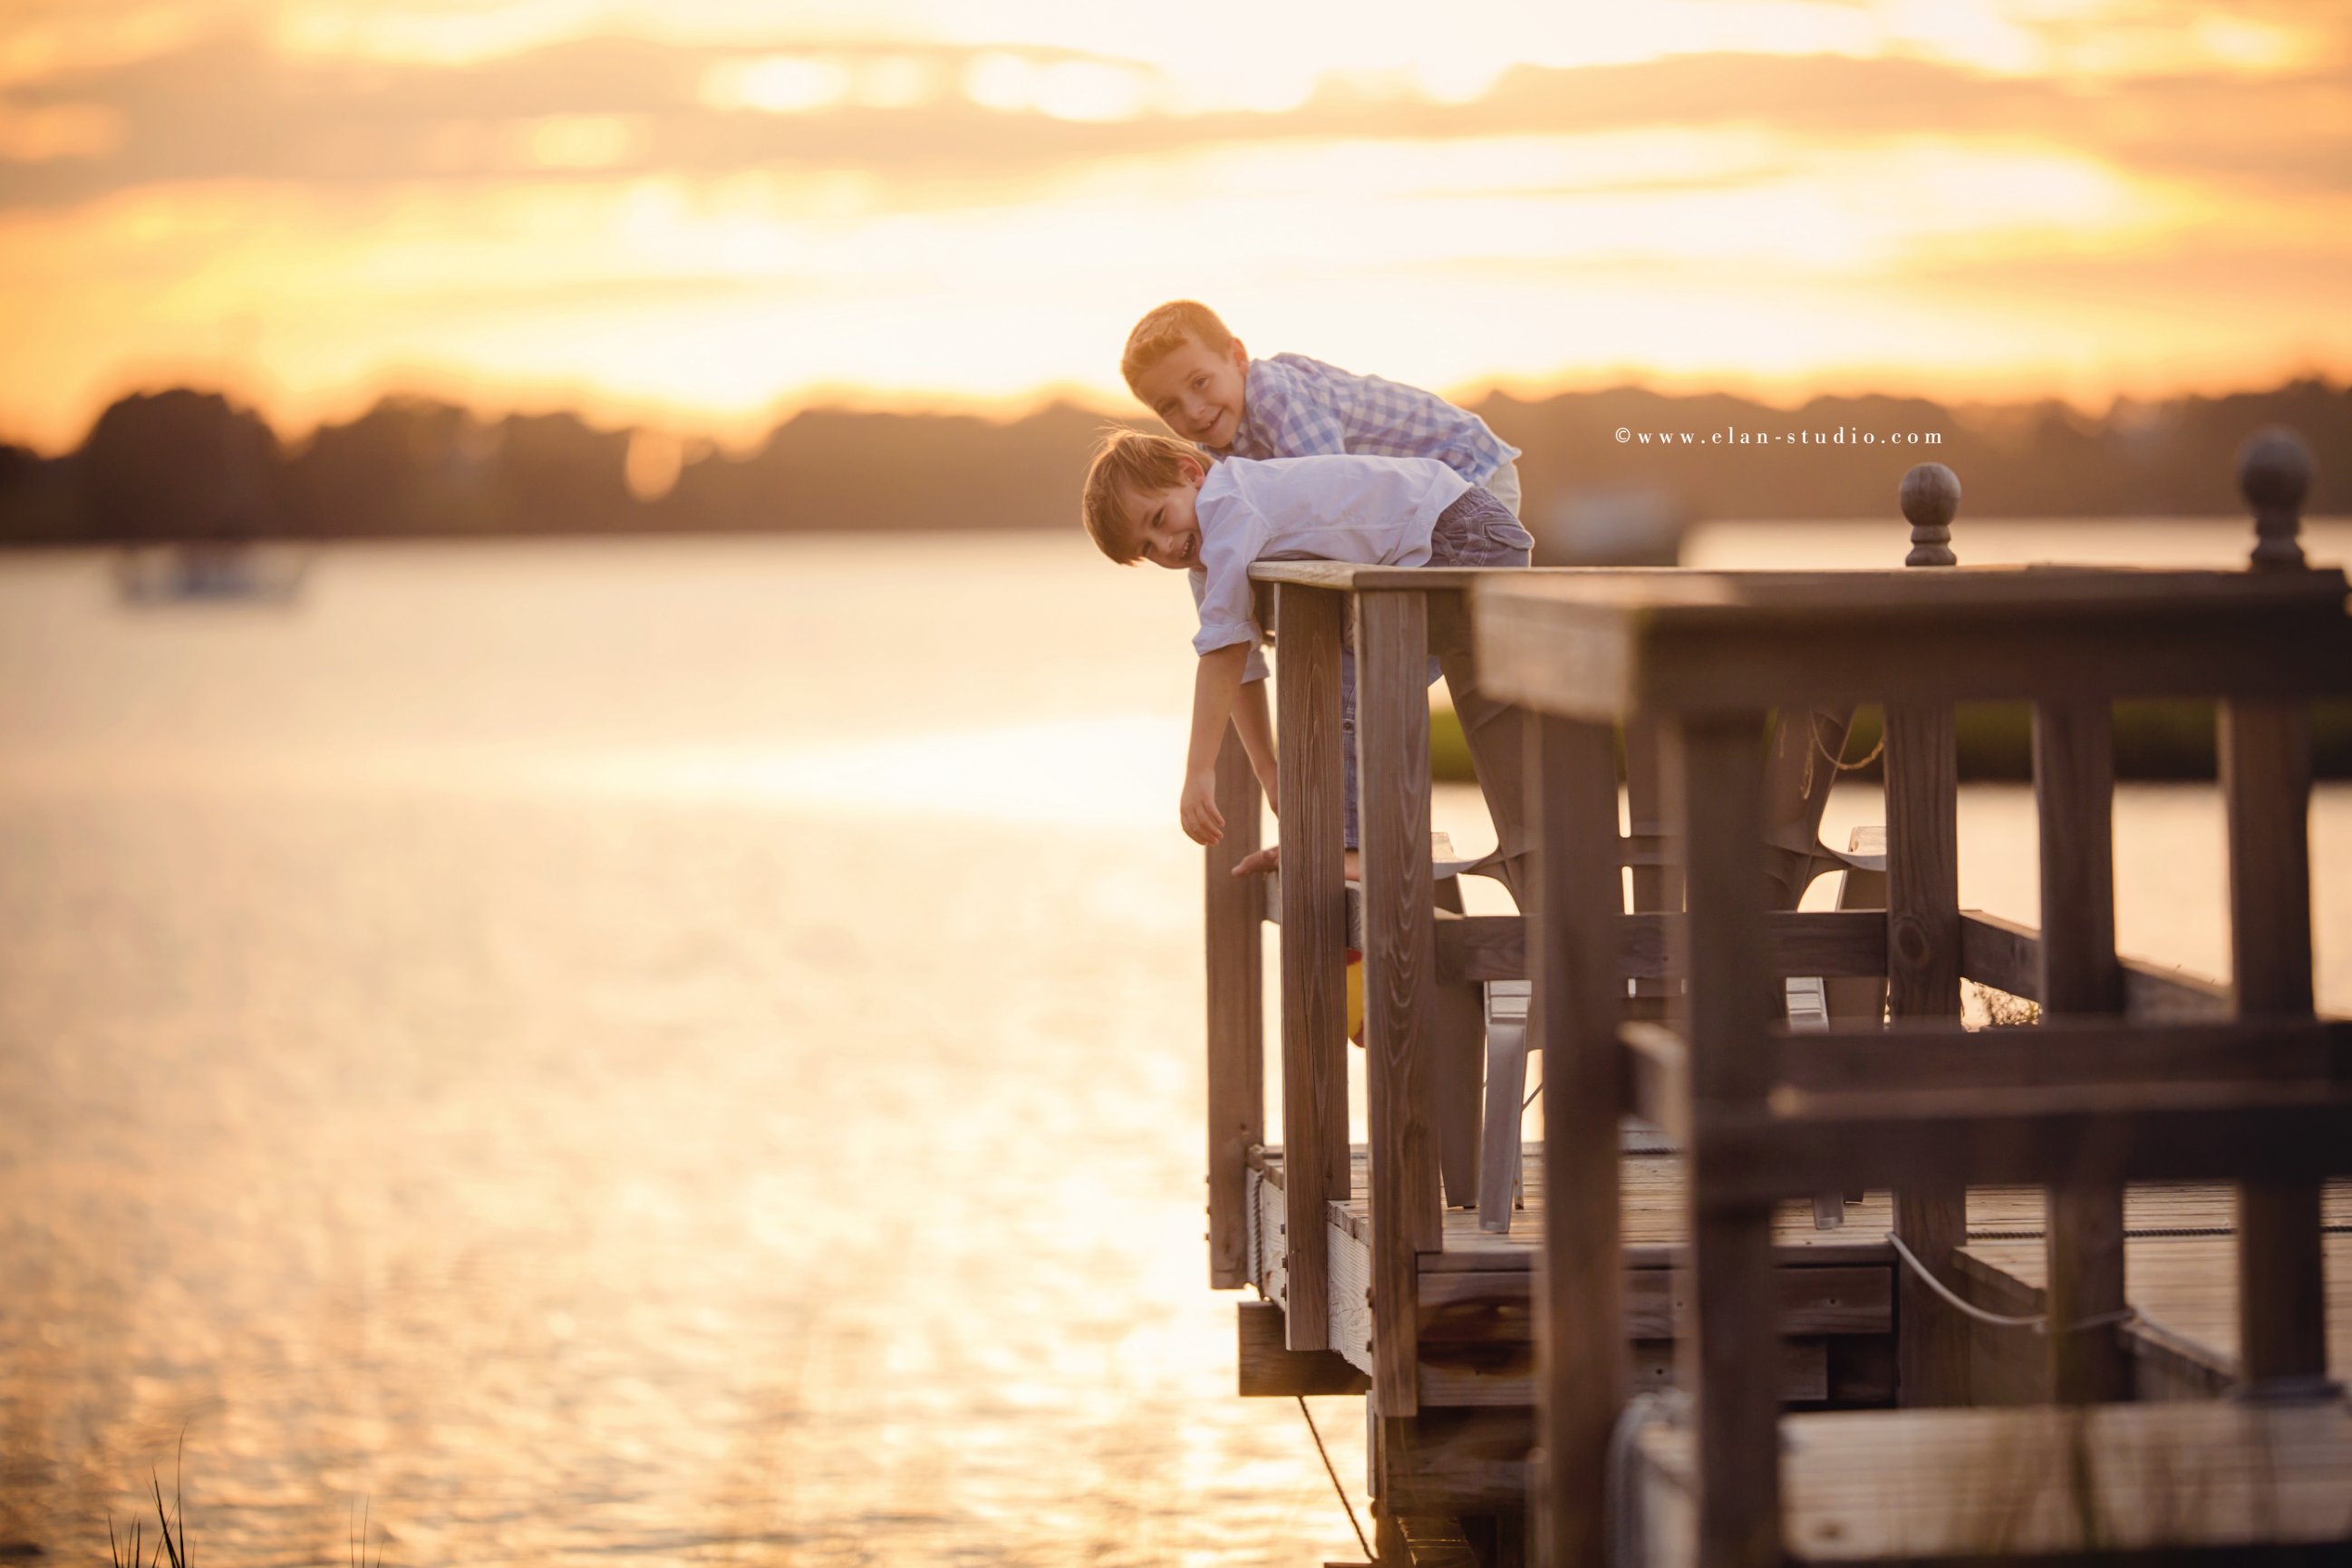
(1255, 726)
(1215, 687)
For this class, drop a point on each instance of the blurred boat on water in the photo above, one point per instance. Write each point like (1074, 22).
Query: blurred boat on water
(1622, 526)
(211, 572)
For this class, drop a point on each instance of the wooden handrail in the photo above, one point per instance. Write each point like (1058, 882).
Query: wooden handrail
(2113, 1132)
(2007, 955)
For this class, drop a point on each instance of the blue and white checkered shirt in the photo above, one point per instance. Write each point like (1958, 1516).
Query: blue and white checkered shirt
(1293, 407)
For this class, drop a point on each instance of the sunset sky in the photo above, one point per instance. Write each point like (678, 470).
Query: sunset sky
(703, 213)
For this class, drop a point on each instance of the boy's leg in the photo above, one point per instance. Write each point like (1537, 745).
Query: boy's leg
(1494, 733)
(1475, 532)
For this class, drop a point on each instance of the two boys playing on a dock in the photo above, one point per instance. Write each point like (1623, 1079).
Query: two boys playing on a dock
(1298, 460)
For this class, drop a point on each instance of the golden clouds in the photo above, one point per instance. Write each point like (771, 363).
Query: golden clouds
(699, 209)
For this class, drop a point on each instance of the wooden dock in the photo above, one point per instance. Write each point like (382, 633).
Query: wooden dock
(2073, 1292)
(1475, 1331)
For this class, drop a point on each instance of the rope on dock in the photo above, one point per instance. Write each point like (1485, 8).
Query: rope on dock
(2039, 1322)
(1813, 726)
(1325, 1454)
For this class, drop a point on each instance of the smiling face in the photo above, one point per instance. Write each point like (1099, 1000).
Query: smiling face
(1197, 392)
(1164, 527)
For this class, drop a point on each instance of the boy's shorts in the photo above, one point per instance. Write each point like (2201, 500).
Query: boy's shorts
(1477, 529)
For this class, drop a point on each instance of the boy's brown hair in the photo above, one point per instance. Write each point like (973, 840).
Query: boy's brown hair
(1127, 460)
(1163, 330)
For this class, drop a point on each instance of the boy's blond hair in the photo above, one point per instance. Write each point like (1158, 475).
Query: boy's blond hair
(1164, 329)
(1127, 460)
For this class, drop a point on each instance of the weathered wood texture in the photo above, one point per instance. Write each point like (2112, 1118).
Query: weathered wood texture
(1400, 973)
(1237, 1026)
(1721, 643)
(2007, 955)
(2207, 1480)
(1652, 1211)
(1573, 785)
(2073, 795)
(1436, 1540)
(2265, 757)
(2177, 1274)
(1492, 1307)
(1923, 980)
(1268, 1368)
(1314, 937)
(1456, 1376)
(2132, 1132)
(2062, 1051)
(1713, 787)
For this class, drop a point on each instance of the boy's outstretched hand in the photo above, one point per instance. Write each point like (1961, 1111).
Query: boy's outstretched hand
(1203, 823)
(1259, 860)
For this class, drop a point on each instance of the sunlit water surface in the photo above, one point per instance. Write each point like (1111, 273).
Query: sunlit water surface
(676, 1052)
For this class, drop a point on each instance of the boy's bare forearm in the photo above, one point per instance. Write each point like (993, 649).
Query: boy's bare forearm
(1216, 689)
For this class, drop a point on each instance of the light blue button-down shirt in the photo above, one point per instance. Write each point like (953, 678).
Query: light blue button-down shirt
(1292, 406)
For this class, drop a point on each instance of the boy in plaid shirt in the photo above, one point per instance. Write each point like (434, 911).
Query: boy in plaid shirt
(1184, 365)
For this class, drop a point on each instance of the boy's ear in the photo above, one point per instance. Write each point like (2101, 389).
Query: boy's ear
(1241, 357)
(1193, 469)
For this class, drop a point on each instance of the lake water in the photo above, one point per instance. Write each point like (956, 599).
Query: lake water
(681, 1052)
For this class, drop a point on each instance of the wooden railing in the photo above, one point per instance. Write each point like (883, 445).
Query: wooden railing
(2135, 1074)
(1418, 956)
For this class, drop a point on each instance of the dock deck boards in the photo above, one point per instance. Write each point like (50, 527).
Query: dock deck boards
(1652, 1211)
(2183, 1286)
(2178, 1256)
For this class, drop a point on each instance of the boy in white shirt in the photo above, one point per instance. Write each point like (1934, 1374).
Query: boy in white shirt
(1148, 498)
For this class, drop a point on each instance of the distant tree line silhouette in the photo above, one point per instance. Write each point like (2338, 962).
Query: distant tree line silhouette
(191, 465)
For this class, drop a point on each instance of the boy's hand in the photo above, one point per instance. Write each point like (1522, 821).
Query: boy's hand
(1259, 861)
(1203, 823)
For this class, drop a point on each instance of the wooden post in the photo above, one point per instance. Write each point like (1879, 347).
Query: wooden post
(2265, 755)
(1571, 794)
(2073, 795)
(1234, 908)
(1731, 1349)
(2275, 474)
(1400, 976)
(1930, 496)
(1314, 952)
(1923, 981)
(1923, 967)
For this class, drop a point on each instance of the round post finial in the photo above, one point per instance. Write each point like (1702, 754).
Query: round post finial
(1931, 498)
(2275, 474)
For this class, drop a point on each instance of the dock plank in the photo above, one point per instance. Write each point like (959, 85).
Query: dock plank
(1922, 1485)
(2178, 1255)
(2185, 1287)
